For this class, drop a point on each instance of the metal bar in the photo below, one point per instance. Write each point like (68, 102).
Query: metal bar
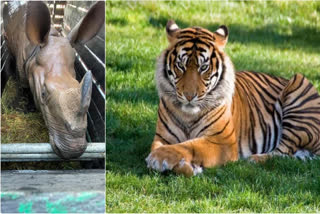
(96, 84)
(5, 51)
(91, 122)
(95, 56)
(3, 43)
(4, 63)
(97, 109)
(43, 148)
(48, 156)
(98, 37)
(48, 159)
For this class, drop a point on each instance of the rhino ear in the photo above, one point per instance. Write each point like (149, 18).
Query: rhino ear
(86, 89)
(171, 29)
(37, 22)
(89, 25)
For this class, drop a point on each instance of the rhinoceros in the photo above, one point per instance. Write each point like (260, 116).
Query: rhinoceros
(45, 64)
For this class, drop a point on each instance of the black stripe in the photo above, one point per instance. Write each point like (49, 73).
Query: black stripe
(219, 132)
(203, 32)
(162, 138)
(167, 128)
(254, 142)
(197, 32)
(185, 31)
(287, 146)
(307, 99)
(298, 116)
(287, 138)
(200, 118)
(275, 87)
(278, 134)
(267, 142)
(165, 65)
(194, 41)
(261, 87)
(298, 128)
(206, 127)
(180, 124)
(297, 88)
(214, 75)
(240, 137)
(294, 134)
(217, 63)
(304, 92)
(279, 150)
(201, 49)
(222, 75)
(184, 37)
(231, 133)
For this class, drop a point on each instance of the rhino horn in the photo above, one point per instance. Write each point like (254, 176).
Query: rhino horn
(37, 22)
(86, 90)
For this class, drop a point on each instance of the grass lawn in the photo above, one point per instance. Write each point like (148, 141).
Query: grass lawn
(279, 38)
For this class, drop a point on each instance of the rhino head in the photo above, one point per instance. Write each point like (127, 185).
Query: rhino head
(63, 101)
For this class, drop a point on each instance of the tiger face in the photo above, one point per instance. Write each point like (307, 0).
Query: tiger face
(194, 69)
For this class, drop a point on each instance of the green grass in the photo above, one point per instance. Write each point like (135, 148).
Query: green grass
(16, 125)
(279, 38)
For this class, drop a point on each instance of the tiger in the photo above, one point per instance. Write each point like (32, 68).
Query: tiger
(209, 114)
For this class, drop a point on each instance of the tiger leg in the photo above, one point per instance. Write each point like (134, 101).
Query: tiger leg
(189, 157)
(300, 109)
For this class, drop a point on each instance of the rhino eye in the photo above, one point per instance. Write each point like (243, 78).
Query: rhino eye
(43, 94)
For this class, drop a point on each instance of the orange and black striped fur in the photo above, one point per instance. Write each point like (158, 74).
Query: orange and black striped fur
(209, 114)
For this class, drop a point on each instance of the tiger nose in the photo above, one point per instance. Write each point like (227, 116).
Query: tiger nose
(189, 95)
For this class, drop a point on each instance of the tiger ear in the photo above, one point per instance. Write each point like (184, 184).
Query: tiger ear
(221, 36)
(172, 28)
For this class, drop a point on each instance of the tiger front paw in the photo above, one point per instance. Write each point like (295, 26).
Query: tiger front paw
(167, 158)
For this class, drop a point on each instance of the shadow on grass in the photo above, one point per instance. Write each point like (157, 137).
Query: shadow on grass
(117, 21)
(284, 68)
(125, 62)
(304, 38)
(121, 63)
(134, 96)
(135, 150)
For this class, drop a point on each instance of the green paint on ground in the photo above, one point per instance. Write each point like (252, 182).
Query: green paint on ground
(55, 207)
(84, 202)
(59, 206)
(25, 207)
(85, 196)
(10, 195)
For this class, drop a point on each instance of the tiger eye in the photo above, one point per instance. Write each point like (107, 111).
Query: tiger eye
(180, 65)
(203, 68)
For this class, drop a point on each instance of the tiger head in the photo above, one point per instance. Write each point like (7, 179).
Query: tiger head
(194, 72)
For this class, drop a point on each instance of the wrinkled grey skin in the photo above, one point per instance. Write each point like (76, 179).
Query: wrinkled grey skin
(45, 63)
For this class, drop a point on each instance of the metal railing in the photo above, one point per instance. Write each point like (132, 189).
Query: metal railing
(23, 152)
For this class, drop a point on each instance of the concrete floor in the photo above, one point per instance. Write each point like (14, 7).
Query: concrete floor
(52, 191)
